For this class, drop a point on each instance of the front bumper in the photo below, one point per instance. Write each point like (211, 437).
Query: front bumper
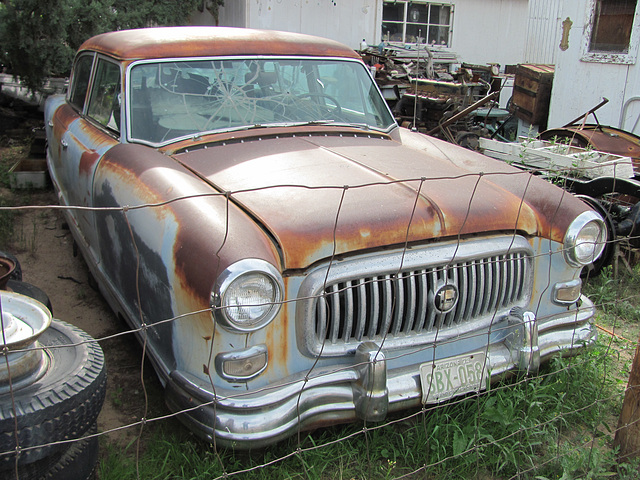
(365, 390)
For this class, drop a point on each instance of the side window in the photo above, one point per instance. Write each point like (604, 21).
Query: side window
(104, 104)
(80, 82)
(611, 35)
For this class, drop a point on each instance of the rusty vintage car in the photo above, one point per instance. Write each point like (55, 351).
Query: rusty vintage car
(291, 256)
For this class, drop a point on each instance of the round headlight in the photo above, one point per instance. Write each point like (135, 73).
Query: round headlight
(585, 239)
(248, 295)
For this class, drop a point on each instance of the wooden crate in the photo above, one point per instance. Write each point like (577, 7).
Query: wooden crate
(532, 92)
(29, 173)
(559, 159)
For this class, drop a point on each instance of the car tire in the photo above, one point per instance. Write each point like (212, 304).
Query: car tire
(78, 462)
(17, 271)
(63, 404)
(29, 290)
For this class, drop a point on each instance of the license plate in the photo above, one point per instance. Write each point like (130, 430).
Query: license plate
(453, 376)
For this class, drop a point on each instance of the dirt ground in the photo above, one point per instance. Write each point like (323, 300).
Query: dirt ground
(46, 253)
(44, 246)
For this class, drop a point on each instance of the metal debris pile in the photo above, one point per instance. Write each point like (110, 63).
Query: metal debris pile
(430, 91)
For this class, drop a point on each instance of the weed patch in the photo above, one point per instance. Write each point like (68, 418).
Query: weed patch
(550, 426)
(616, 296)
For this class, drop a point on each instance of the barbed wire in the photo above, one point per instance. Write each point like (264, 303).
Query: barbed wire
(299, 382)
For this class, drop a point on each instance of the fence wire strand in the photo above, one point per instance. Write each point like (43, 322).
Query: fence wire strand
(302, 383)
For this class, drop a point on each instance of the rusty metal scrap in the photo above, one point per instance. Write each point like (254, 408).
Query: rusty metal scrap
(432, 93)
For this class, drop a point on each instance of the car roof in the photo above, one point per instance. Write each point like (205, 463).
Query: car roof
(176, 42)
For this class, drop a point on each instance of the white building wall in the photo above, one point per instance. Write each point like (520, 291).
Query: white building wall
(629, 118)
(490, 31)
(484, 31)
(579, 86)
(345, 21)
(233, 14)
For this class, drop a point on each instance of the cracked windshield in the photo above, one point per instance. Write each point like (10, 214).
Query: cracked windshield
(171, 100)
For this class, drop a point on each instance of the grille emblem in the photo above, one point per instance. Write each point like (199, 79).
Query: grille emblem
(445, 298)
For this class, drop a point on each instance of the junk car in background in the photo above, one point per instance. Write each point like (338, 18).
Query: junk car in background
(292, 257)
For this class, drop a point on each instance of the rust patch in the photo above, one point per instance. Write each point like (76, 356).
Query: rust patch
(87, 162)
(98, 138)
(206, 224)
(64, 116)
(277, 341)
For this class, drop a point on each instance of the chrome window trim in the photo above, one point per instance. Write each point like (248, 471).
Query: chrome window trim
(73, 79)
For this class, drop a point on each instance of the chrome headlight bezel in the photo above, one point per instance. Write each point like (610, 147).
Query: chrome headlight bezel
(572, 239)
(223, 307)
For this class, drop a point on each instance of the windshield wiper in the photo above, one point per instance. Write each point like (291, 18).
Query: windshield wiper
(255, 126)
(292, 124)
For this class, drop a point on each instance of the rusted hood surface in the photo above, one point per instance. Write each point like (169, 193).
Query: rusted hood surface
(320, 194)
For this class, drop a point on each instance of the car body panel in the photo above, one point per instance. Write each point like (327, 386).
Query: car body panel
(369, 222)
(305, 169)
(177, 42)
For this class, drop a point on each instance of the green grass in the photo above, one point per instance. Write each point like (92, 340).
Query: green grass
(7, 218)
(552, 426)
(616, 296)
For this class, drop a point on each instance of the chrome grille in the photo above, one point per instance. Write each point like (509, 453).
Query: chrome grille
(391, 305)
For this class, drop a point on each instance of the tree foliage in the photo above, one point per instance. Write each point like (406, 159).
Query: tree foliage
(39, 39)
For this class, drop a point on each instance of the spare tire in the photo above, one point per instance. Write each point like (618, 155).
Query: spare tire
(63, 404)
(24, 288)
(77, 461)
(17, 270)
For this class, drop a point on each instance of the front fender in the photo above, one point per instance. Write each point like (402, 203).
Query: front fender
(165, 235)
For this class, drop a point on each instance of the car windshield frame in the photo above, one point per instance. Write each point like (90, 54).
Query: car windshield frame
(172, 99)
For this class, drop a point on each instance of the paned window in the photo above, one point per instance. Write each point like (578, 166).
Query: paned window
(417, 22)
(611, 35)
(612, 25)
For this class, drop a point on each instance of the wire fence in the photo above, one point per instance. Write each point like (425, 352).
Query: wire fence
(555, 421)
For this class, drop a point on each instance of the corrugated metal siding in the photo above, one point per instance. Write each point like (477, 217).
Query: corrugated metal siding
(544, 31)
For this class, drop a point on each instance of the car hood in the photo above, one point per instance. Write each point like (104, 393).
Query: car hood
(323, 195)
